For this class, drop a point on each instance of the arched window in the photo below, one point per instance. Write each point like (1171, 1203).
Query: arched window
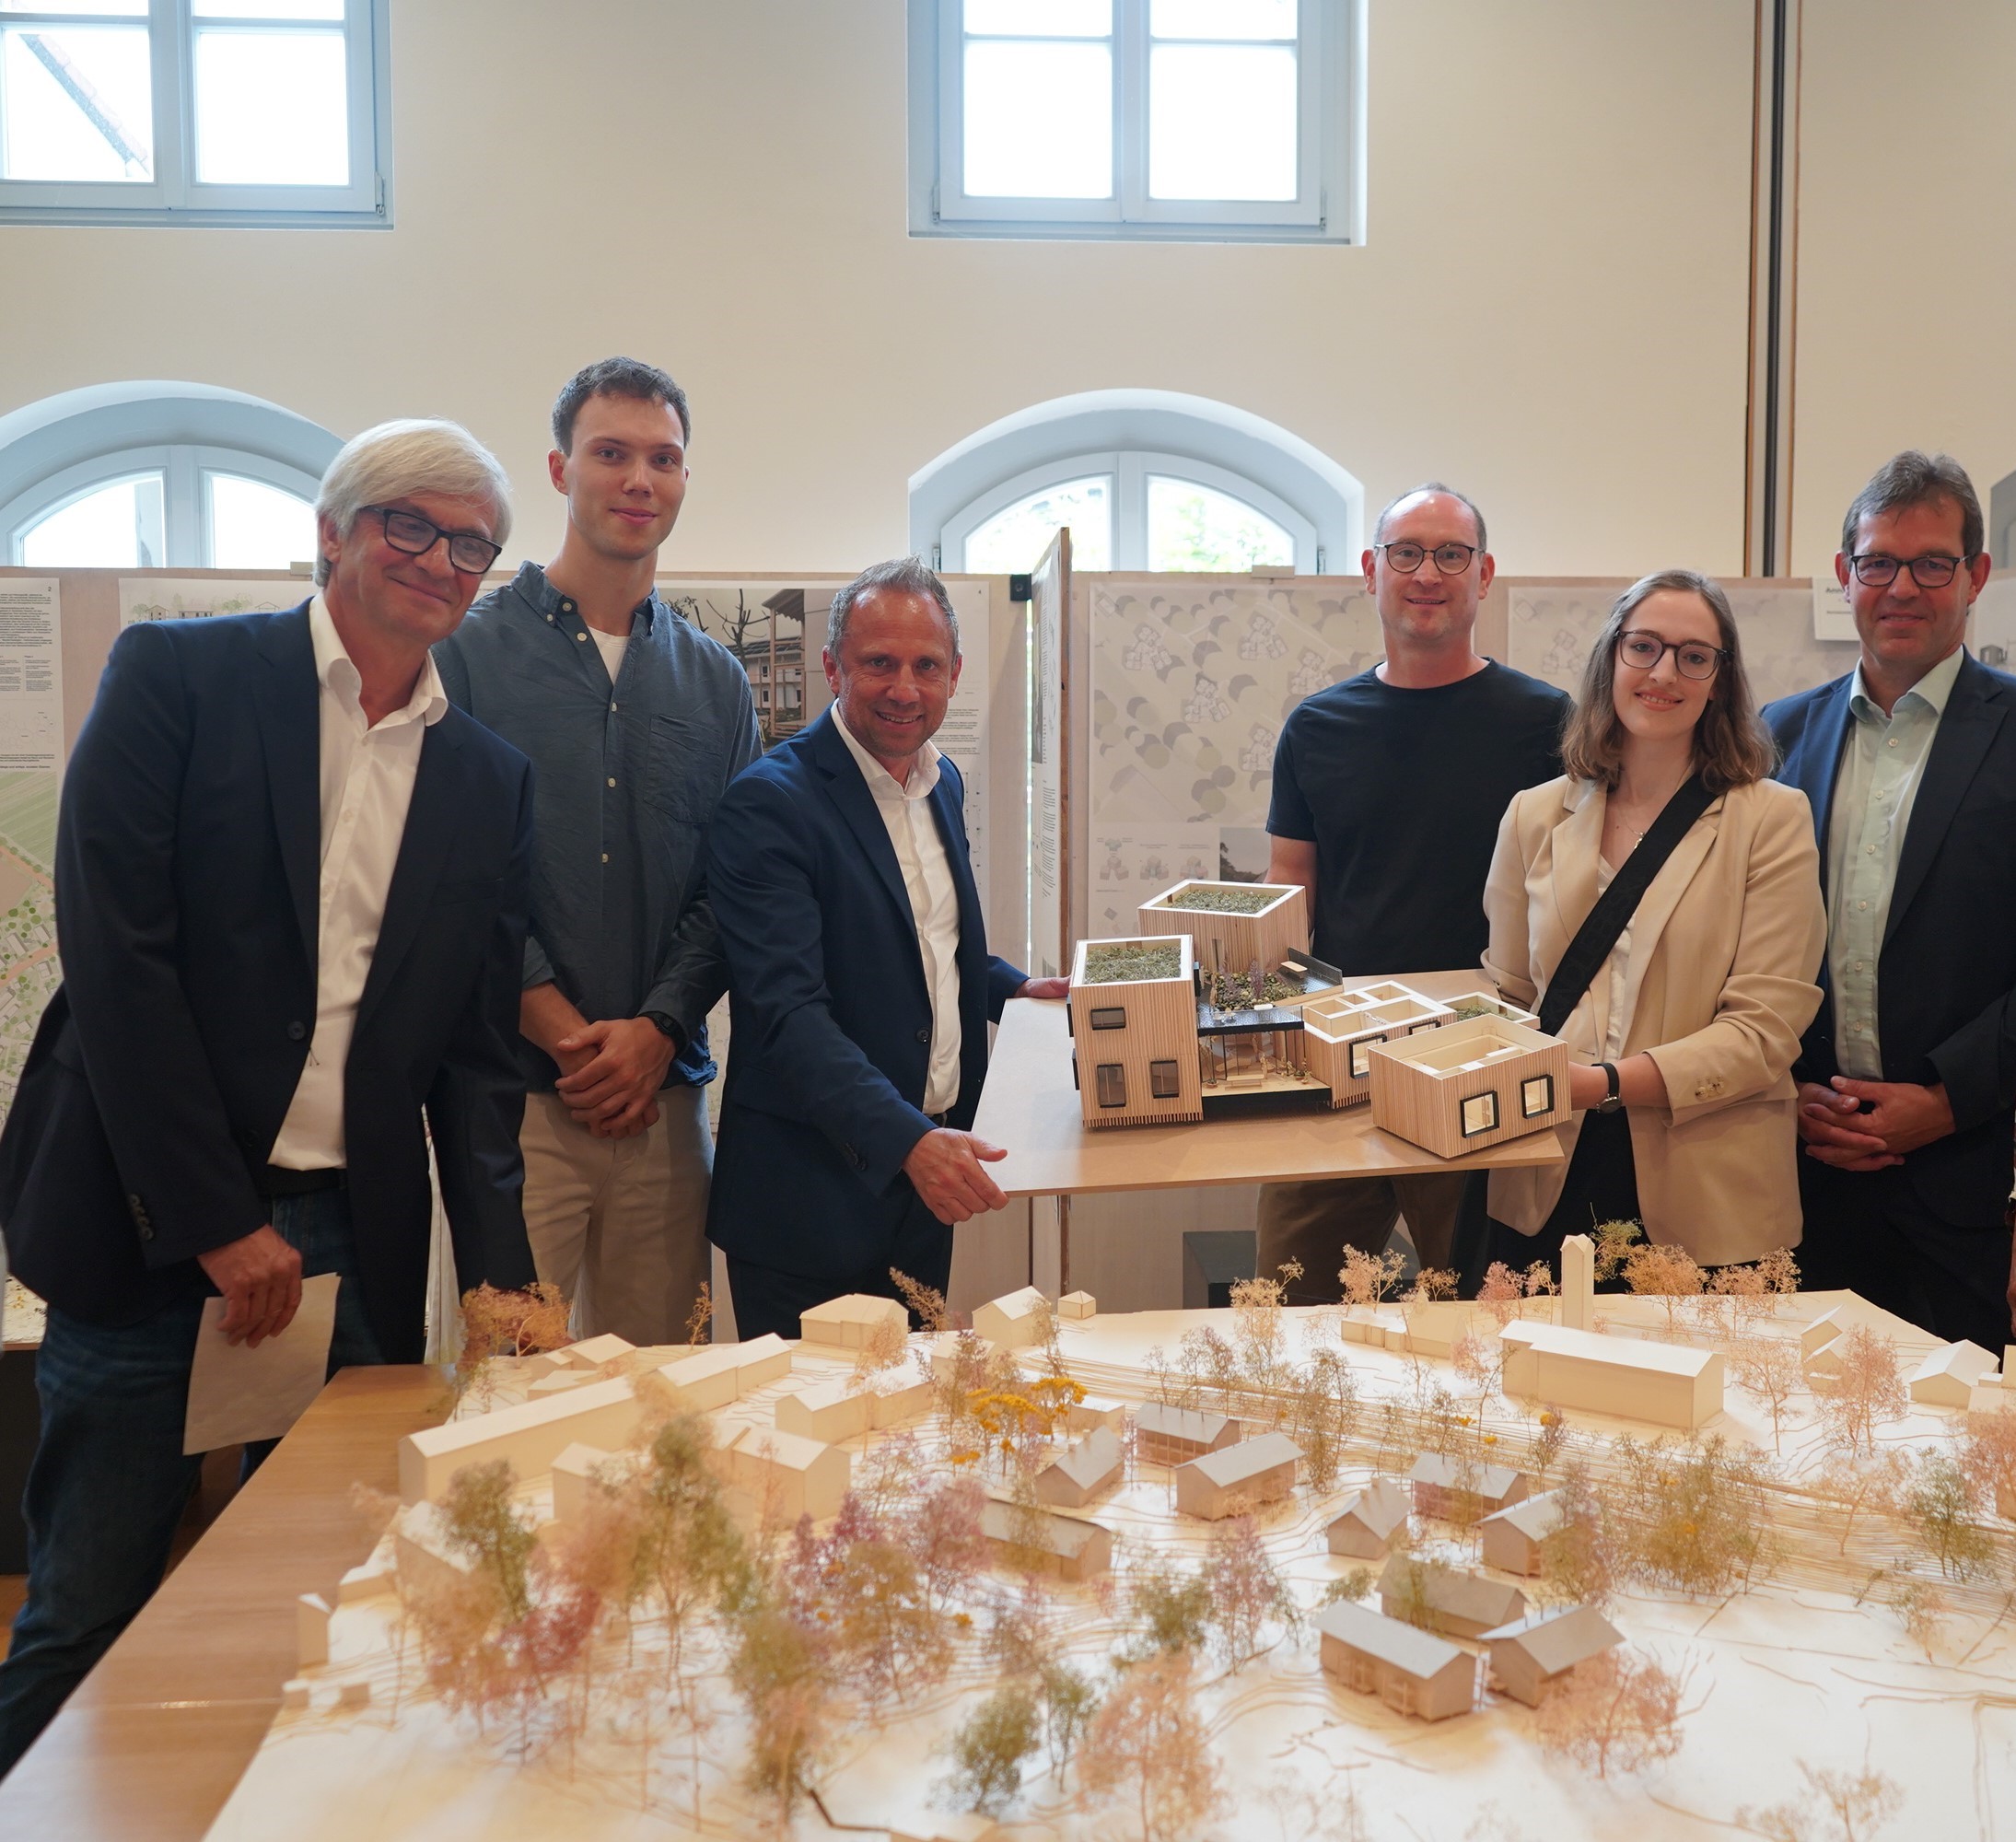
(152, 475)
(1176, 482)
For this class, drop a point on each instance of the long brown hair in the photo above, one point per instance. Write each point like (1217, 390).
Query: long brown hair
(1732, 747)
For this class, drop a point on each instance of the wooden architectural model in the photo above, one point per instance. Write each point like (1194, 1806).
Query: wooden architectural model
(1176, 1435)
(1087, 1470)
(1038, 1542)
(1077, 1306)
(1470, 1084)
(1410, 1671)
(1512, 1538)
(1228, 1483)
(1234, 927)
(1341, 1031)
(1948, 1377)
(1539, 1653)
(1627, 1377)
(1132, 1012)
(776, 1477)
(1010, 1322)
(1451, 1600)
(846, 1322)
(1456, 1493)
(1372, 1519)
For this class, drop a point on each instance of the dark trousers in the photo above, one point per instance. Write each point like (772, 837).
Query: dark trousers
(768, 1298)
(1868, 1232)
(1313, 1223)
(1602, 1185)
(109, 1482)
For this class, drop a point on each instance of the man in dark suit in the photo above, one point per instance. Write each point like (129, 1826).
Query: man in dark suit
(291, 888)
(860, 978)
(1908, 1074)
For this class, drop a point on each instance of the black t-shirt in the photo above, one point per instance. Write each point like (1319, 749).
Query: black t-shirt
(1402, 792)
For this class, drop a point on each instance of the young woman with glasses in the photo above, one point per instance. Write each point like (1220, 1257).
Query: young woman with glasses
(1682, 1046)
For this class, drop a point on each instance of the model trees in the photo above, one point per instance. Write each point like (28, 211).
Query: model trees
(1768, 1367)
(1147, 1745)
(1864, 1390)
(1246, 1592)
(1367, 1278)
(1613, 1711)
(1836, 1806)
(506, 1324)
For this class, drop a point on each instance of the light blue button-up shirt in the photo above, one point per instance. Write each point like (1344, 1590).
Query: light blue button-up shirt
(1883, 764)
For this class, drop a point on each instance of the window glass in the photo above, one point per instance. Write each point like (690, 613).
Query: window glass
(255, 526)
(271, 108)
(1012, 540)
(1195, 527)
(1039, 119)
(1222, 18)
(267, 10)
(117, 526)
(1223, 122)
(1040, 19)
(76, 103)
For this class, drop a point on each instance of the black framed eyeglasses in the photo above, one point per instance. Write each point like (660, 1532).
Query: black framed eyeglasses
(1451, 559)
(1691, 657)
(468, 551)
(1877, 571)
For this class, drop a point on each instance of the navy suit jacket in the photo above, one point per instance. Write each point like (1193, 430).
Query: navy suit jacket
(831, 1036)
(1946, 982)
(188, 872)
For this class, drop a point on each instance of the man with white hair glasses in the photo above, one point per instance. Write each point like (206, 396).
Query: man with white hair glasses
(291, 883)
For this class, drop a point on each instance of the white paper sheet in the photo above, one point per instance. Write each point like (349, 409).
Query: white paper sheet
(237, 1393)
(30, 674)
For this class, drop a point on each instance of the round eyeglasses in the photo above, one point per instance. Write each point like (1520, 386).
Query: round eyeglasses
(468, 551)
(1928, 572)
(1692, 657)
(1451, 559)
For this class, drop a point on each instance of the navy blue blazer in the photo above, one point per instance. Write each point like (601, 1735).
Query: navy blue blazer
(832, 1018)
(1946, 982)
(188, 872)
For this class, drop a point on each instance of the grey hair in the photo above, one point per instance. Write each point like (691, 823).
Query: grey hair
(397, 459)
(1917, 478)
(1464, 499)
(906, 576)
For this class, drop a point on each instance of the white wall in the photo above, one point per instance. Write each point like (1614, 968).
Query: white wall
(1551, 309)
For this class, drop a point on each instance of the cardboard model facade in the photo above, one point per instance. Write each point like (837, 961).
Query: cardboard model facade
(1538, 1652)
(1471, 1084)
(1089, 1469)
(847, 1322)
(1164, 1435)
(1371, 1521)
(1409, 1670)
(1948, 1377)
(1011, 1321)
(1512, 1539)
(1451, 1600)
(1035, 1541)
(1626, 1378)
(1229, 1482)
(1462, 1493)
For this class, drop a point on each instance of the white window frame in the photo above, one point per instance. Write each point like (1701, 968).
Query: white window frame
(186, 471)
(174, 195)
(1127, 473)
(1328, 207)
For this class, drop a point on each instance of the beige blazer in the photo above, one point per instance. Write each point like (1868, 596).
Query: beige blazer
(1725, 946)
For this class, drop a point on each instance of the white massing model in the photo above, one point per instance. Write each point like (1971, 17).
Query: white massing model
(1087, 1470)
(1010, 1322)
(1948, 1377)
(1037, 1541)
(845, 1323)
(1538, 1652)
(1453, 1492)
(1513, 1539)
(1447, 1598)
(1227, 1483)
(1371, 1521)
(1410, 1671)
(1632, 1380)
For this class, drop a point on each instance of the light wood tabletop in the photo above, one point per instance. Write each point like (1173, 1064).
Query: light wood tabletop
(1031, 1109)
(150, 1746)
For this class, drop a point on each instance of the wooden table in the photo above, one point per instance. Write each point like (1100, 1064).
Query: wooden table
(1030, 1107)
(149, 1747)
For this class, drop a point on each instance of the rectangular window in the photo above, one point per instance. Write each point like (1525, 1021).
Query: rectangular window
(1536, 1096)
(1110, 1017)
(267, 112)
(1361, 1058)
(1480, 1115)
(1163, 1081)
(1212, 120)
(1113, 1084)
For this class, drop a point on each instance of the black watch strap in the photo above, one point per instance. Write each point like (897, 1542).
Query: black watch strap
(665, 1028)
(1612, 1100)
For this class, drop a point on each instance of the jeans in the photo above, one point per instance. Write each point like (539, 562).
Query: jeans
(109, 1482)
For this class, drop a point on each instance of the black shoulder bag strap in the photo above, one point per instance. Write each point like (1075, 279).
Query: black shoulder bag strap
(1614, 909)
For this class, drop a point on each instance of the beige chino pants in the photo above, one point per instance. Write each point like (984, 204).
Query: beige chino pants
(620, 1224)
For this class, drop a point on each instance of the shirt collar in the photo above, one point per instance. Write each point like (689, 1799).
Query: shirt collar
(923, 775)
(335, 672)
(549, 604)
(1932, 690)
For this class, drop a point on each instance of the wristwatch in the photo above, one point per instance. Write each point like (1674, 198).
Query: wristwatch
(670, 1032)
(1612, 1102)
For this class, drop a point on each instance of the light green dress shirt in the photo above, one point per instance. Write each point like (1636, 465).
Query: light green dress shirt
(1883, 764)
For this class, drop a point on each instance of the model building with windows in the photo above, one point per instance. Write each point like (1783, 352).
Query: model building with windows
(1478, 1083)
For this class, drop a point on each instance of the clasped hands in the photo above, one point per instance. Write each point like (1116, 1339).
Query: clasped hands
(610, 1075)
(1901, 1116)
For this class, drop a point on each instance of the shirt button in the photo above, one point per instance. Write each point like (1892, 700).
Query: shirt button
(605, 856)
(612, 780)
(1861, 904)
(1892, 742)
(1858, 965)
(581, 640)
(924, 1035)
(296, 1031)
(612, 709)
(566, 607)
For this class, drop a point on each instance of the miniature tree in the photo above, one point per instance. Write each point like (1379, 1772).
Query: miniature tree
(1613, 1242)
(1211, 1366)
(1920, 1606)
(943, 1533)
(1768, 1367)
(1613, 1711)
(1434, 1282)
(1835, 1807)
(878, 1611)
(1940, 1507)
(1325, 1415)
(1578, 1557)
(1989, 1455)
(1859, 1486)
(989, 1748)
(700, 1320)
(1697, 1519)
(1501, 1293)
(1247, 1593)
(926, 1303)
(1256, 1321)
(1866, 1390)
(1472, 1360)
(1548, 1446)
(1667, 1273)
(779, 1669)
(1148, 1745)
(1172, 1611)
(1367, 1278)
(506, 1324)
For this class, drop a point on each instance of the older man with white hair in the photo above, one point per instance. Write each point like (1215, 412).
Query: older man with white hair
(291, 887)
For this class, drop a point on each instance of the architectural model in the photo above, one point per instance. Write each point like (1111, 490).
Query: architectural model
(1948, 1377)
(614, 1613)
(1667, 1384)
(1476, 1082)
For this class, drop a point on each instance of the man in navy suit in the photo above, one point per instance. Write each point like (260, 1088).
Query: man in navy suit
(1908, 1074)
(291, 889)
(860, 977)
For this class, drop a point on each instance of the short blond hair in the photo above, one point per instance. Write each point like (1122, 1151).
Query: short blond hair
(396, 459)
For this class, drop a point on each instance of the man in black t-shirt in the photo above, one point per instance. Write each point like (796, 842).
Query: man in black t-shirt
(1388, 790)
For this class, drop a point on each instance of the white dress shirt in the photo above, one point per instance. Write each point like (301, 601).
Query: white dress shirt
(367, 772)
(933, 900)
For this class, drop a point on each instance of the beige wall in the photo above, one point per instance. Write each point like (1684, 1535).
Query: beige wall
(721, 186)
(1905, 146)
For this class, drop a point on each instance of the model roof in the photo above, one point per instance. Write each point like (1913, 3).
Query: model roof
(1484, 1480)
(1418, 1652)
(1064, 1535)
(1382, 1506)
(1536, 1518)
(1090, 1460)
(1241, 1461)
(1469, 1596)
(1590, 1345)
(1182, 1423)
(1559, 1640)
